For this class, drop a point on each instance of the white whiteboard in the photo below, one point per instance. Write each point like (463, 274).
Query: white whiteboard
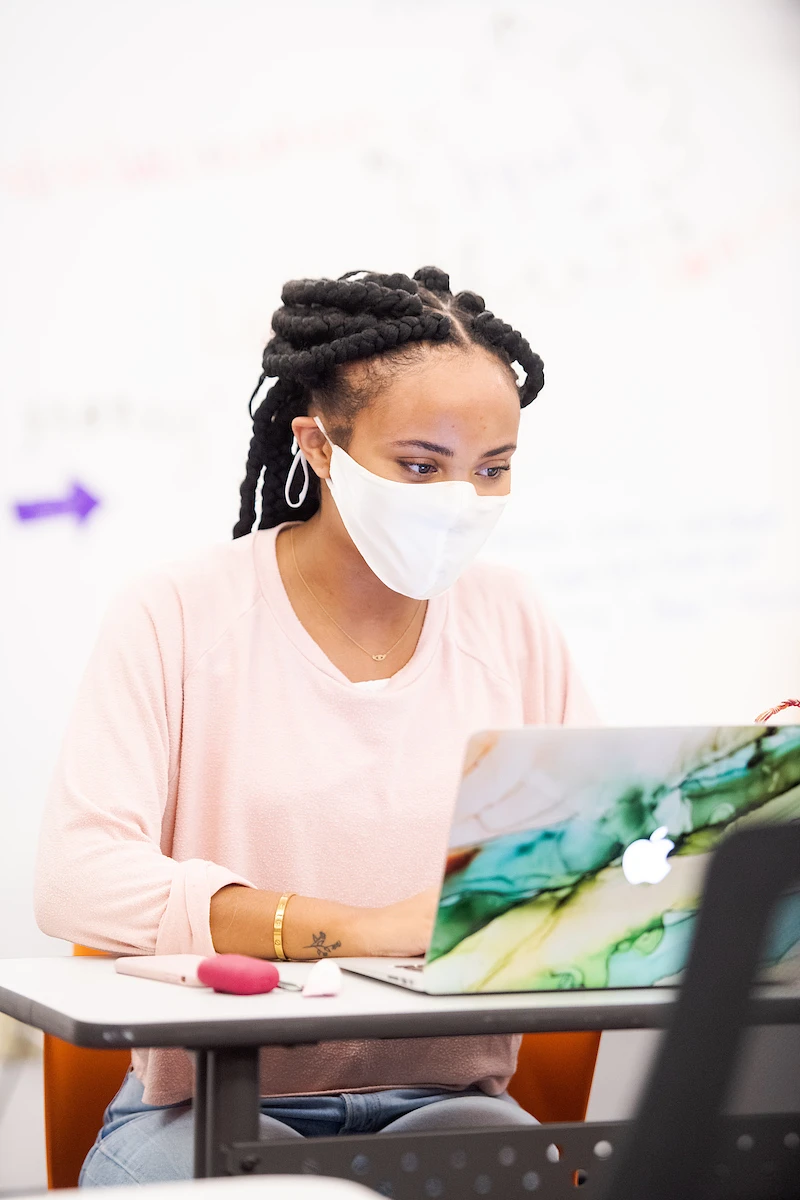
(621, 182)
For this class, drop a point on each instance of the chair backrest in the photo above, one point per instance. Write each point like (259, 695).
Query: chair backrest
(668, 1152)
(554, 1075)
(78, 1086)
(552, 1082)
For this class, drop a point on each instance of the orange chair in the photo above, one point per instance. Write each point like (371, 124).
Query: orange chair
(553, 1080)
(78, 1086)
(554, 1075)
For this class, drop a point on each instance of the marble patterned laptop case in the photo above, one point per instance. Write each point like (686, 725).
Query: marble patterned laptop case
(577, 855)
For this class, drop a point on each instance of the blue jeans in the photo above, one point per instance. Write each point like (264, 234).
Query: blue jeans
(143, 1143)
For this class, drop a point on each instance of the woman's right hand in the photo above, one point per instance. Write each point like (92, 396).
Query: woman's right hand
(401, 930)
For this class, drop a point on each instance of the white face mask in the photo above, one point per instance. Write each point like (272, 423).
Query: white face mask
(417, 538)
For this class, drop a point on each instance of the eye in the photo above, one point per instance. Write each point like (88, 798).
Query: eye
(494, 472)
(420, 469)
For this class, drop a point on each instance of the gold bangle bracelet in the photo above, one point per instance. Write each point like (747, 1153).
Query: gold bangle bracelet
(277, 926)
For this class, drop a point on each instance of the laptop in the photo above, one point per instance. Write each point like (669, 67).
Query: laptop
(576, 856)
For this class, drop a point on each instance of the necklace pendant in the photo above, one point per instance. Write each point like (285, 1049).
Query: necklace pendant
(379, 657)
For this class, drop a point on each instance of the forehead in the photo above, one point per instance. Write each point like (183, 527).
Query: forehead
(455, 391)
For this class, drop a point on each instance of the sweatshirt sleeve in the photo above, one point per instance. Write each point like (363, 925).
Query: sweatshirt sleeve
(101, 877)
(554, 691)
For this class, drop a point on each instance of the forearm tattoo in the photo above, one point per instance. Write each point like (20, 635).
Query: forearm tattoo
(320, 946)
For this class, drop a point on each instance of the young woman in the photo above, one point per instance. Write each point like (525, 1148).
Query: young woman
(276, 727)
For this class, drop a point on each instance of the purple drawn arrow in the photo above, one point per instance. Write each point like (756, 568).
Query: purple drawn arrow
(79, 503)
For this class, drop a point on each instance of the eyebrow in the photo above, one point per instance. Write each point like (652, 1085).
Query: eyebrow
(447, 452)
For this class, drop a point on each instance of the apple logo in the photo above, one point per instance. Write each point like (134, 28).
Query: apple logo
(645, 861)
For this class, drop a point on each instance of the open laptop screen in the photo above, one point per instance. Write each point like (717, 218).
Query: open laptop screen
(577, 856)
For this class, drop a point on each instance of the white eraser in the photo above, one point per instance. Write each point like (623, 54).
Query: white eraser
(324, 979)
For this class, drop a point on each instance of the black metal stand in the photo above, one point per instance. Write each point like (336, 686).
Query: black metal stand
(754, 1158)
(225, 1105)
(199, 1110)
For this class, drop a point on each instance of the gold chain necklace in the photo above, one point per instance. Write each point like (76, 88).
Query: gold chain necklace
(375, 657)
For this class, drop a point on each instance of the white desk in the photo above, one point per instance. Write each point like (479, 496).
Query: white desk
(265, 1187)
(84, 1001)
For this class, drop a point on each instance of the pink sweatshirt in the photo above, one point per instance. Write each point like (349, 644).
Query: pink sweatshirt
(213, 742)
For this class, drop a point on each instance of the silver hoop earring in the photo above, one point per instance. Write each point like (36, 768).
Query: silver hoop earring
(297, 458)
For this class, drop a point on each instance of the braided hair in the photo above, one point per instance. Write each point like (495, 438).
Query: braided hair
(325, 323)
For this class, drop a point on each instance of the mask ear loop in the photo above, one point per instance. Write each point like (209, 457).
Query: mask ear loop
(297, 458)
(323, 431)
